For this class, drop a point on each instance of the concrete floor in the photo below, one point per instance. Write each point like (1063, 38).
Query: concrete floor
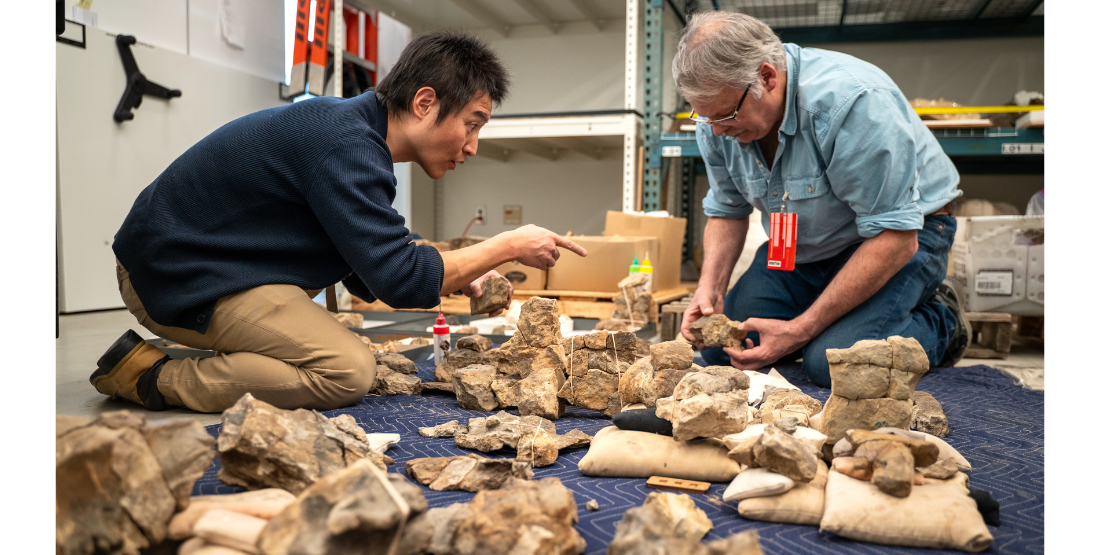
(84, 338)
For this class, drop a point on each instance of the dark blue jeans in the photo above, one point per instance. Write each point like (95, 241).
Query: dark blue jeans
(902, 307)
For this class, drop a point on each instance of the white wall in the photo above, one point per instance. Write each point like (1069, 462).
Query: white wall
(577, 69)
(194, 27)
(103, 165)
(975, 72)
(570, 194)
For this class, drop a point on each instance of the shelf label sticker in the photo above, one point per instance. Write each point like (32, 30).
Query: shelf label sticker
(671, 152)
(993, 283)
(1022, 148)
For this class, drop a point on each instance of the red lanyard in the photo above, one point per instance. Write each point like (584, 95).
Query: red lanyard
(783, 239)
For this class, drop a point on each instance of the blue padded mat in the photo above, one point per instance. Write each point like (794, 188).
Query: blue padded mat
(995, 424)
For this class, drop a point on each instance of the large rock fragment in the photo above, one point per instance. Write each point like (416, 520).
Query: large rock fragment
(841, 415)
(708, 403)
(596, 390)
(495, 294)
(449, 429)
(521, 518)
(506, 388)
(670, 524)
(475, 342)
(636, 384)
(928, 416)
(538, 449)
(672, 355)
(869, 351)
(236, 531)
(396, 362)
(262, 446)
(538, 393)
(859, 381)
(469, 473)
(538, 324)
(473, 387)
(781, 453)
(389, 382)
(781, 398)
(717, 330)
(344, 512)
(704, 416)
(453, 360)
(113, 489)
(908, 356)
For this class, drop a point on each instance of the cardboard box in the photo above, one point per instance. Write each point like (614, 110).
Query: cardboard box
(999, 261)
(523, 277)
(607, 263)
(670, 237)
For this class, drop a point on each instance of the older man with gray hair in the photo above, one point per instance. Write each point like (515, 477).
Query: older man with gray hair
(790, 130)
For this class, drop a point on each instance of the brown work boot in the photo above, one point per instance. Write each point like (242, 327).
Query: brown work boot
(129, 369)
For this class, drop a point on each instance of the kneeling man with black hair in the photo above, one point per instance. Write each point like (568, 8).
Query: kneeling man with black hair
(226, 248)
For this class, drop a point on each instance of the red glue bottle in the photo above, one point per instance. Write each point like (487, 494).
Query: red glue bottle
(441, 332)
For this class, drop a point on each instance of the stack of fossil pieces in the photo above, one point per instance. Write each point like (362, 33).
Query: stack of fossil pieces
(538, 371)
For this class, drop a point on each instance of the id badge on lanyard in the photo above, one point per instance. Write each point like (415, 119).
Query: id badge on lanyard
(783, 240)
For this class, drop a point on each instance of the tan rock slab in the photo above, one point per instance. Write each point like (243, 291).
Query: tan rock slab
(717, 330)
(230, 529)
(448, 429)
(893, 467)
(875, 352)
(538, 324)
(263, 503)
(453, 360)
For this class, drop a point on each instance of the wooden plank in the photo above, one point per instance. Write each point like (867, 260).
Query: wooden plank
(586, 309)
(982, 352)
(669, 295)
(676, 484)
(987, 317)
(527, 293)
(669, 325)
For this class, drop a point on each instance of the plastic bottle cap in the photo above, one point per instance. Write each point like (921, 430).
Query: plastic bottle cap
(441, 326)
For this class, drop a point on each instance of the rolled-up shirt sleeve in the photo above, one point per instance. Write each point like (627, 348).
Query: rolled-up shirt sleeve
(723, 200)
(872, 161)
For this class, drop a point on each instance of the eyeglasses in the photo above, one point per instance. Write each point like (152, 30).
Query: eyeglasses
(713, 121)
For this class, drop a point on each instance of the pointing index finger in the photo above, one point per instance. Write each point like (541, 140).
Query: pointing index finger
(563, 242)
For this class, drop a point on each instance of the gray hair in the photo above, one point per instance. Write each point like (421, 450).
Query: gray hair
(720, 50)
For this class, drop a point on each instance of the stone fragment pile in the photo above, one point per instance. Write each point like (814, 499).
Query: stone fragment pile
(120, 479)
(671, 523)
(712, 402)
(537, 371)
(632, 305)
(595, 364)
(717, 330)
(872, 382)
(262, 446)
(890, 461)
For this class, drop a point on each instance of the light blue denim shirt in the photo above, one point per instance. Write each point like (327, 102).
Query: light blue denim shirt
(852, 153)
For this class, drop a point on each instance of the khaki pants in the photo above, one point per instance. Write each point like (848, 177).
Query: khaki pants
(272, 341)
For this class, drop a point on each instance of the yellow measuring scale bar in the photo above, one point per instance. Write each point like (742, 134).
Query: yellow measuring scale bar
(955, 110)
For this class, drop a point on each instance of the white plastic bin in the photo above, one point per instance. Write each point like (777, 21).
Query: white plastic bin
(999, 261)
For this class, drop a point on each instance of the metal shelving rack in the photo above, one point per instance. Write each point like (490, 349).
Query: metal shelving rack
(995, 150)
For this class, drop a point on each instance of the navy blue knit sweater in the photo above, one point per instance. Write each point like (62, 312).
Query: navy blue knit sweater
(299, 195)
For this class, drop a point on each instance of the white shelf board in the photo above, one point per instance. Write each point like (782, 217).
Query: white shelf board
(560, 126)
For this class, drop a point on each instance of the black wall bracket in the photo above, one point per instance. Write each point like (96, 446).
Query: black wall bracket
(137, 86)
